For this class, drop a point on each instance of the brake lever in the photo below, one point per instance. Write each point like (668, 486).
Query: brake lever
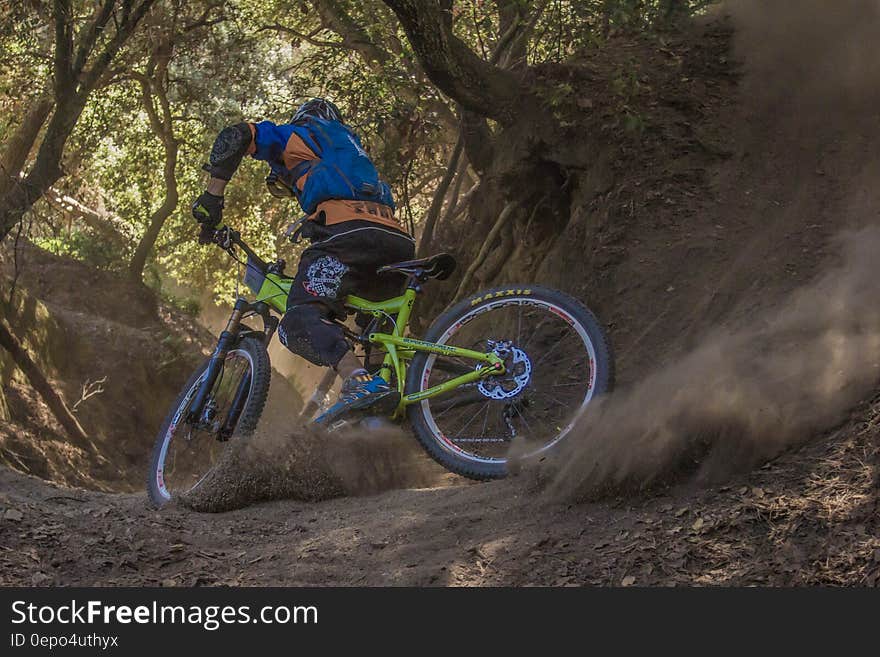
(223, 238)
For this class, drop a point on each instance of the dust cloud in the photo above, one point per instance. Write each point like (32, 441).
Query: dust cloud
(281, 461)
(743, 396)
(816, 54)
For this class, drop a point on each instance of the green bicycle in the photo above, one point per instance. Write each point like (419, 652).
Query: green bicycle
(513, 365)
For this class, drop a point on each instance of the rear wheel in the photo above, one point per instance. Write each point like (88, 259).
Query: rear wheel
(557, 359)
(184, 454)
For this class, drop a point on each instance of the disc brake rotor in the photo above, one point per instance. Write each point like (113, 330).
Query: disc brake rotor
(516, 377)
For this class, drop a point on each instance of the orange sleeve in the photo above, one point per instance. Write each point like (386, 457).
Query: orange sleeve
(253, 147)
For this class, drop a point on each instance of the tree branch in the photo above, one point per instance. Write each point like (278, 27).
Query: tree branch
(130, 19)
(457, 71)
(439, 195)
(89, 37)
(63, 68)
(502, 220)
(309, 38)
(334, 17)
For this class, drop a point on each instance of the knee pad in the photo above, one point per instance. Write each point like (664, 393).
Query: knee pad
(304, 332)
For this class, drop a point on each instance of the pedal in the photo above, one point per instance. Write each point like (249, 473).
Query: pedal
(382, 404)
(338, 425)
(385, 404)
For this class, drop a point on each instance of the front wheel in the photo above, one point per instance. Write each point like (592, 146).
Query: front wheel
(185, 453)
(557, 359)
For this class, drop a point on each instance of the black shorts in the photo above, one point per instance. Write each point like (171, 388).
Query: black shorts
(341, 260)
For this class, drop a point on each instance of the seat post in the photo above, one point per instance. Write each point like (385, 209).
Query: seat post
(413, 283)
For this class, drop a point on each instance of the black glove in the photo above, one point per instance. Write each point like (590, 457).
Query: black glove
(206, 234)
(208, 209)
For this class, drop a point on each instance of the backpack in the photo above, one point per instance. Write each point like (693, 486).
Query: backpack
(342, 171)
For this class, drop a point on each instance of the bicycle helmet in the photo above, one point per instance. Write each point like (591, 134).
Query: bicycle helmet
(317, 107)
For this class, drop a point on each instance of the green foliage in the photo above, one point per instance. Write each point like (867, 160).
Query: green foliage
(257, 59)
(188, 305)
(82, 245)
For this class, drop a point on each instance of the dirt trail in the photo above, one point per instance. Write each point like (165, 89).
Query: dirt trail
(809, 518)
(804, 157)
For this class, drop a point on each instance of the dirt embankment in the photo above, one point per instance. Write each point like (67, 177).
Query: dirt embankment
(767, 333)
(115, 352)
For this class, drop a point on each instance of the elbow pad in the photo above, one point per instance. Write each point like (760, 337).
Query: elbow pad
(229, 148)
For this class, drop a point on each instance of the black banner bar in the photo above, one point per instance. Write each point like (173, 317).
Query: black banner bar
(127, 621)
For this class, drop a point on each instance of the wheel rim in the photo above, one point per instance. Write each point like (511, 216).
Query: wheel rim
(188, 455)
(561, 382)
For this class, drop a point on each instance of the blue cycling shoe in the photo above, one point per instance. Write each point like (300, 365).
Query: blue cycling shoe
(361, 392)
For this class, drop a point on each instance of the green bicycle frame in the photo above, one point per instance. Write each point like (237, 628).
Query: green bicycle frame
(398, 349)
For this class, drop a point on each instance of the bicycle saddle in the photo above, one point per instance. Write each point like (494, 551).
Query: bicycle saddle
(438, 266)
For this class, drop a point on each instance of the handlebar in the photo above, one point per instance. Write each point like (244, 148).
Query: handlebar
(227, 237)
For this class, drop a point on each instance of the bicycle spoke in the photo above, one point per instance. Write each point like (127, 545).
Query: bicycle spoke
(528, 426)
(466, 424)
(552, 398)
(519, 325)
(535, 332)
(459, 402)
(558, 382)
(544, 357)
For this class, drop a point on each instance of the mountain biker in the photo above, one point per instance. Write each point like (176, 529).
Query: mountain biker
(350, 224)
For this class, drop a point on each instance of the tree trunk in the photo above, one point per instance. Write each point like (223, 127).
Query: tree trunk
(106, 226)
(19, 145)
(162, 123)
(73, 85)
(47, 166)
(157, 221)
(439, 196)
(457, 71)
(38, 381)
(354, 37)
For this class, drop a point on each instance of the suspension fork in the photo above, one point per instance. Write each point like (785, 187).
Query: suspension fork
(218, 358)
(241, 396)
(270, 325)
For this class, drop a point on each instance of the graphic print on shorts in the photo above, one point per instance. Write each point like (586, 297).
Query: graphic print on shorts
(324, 276)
